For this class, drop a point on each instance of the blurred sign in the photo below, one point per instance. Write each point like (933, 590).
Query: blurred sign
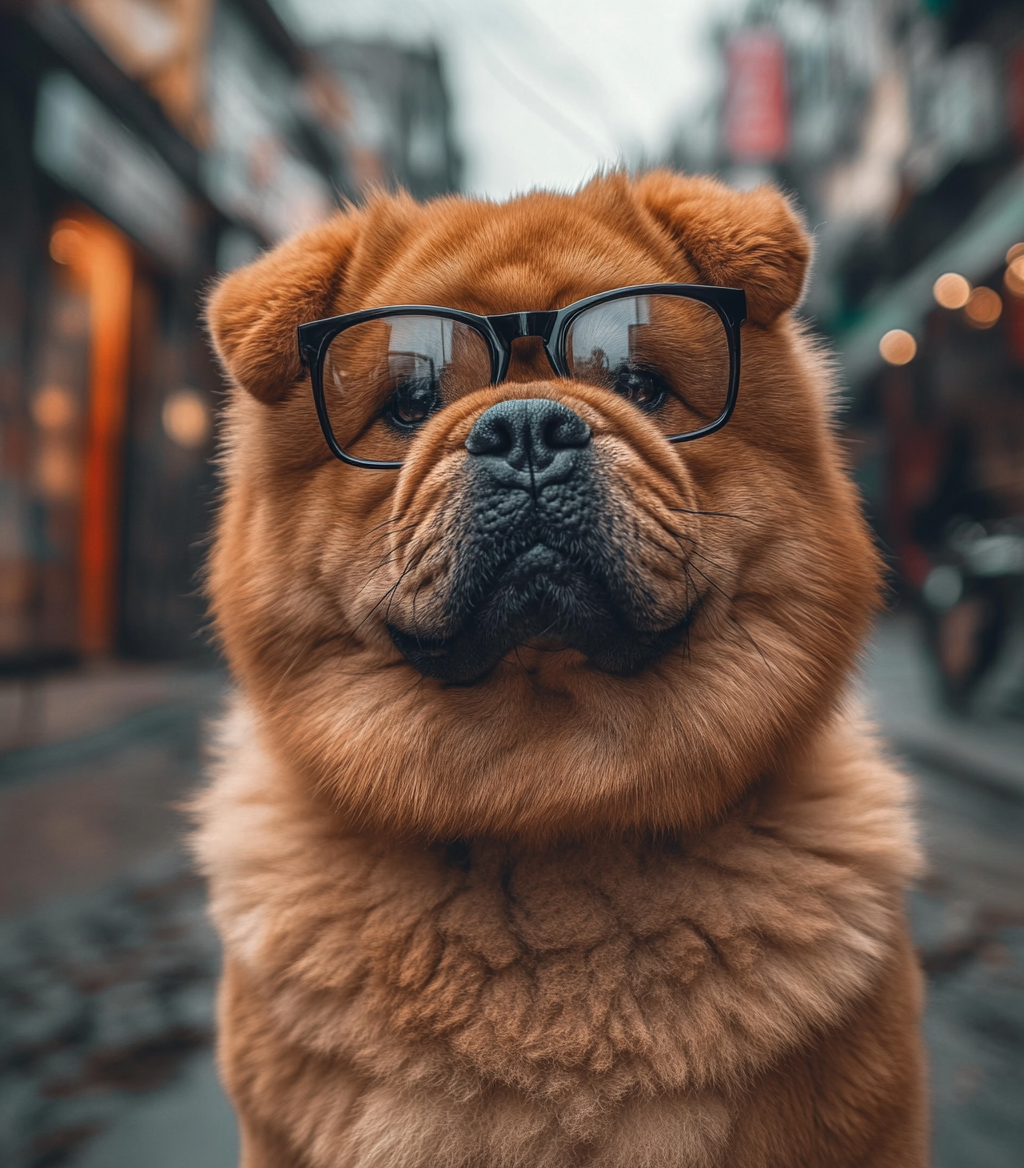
(84, 147)
(252, 171)
(757, 104)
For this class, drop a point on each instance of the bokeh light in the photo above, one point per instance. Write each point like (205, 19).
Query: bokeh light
(54, 408)
(59, 471)
(951, 290)
(186, 418)
(897, 347)
(66, 241)
(1015, 252)
(1014, 278)
(983, 308)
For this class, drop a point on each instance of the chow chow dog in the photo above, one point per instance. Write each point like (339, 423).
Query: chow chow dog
(543, 829)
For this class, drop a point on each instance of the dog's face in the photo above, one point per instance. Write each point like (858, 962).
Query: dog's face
(550, 620)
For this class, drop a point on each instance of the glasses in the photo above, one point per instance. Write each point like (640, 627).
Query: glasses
(673, 350)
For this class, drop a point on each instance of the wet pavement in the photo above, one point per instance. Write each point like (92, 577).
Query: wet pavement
(108, 965)
(968, 912)
(107, 961)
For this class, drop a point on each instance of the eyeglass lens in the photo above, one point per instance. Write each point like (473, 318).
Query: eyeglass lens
(668, 355)
(385, 377)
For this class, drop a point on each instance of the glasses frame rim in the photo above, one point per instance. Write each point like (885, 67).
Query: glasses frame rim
(499, 331)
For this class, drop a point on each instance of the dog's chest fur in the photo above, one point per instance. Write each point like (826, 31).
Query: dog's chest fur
(578, 989)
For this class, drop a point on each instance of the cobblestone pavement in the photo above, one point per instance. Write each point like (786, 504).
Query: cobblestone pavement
(107, 961)
(108, 966)
(103, 997)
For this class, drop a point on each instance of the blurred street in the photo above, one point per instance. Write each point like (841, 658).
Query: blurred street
(107, 964)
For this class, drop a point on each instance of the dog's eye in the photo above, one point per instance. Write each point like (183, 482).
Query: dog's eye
(642, 386)
(412, 402)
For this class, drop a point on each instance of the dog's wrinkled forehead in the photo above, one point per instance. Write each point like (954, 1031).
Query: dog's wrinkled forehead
(509, 262)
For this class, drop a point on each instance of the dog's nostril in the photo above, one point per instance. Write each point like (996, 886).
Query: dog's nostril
(560, 433)
(534, 428)
(491, 436)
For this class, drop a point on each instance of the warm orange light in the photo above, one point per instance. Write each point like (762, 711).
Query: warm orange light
(983, 308)
(66, 241)
(59, 470)
(951, 290)
(1015, 252)
(897, 347)
(54, 408)
(186, 418)
(100, 257)
(1014, 278)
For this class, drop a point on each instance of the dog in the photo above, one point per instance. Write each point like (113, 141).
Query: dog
(544, 829)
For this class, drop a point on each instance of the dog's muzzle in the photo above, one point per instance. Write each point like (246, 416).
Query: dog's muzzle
(538, 556)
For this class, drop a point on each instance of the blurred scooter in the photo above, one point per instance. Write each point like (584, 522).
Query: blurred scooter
(970, 600)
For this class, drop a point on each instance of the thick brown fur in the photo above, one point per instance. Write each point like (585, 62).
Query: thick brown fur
(557, 917)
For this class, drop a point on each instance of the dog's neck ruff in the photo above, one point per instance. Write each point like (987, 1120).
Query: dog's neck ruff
(579, 979)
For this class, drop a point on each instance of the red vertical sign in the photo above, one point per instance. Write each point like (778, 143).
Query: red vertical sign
(757, 103)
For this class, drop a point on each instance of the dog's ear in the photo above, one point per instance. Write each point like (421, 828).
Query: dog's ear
(253, 312)
(742, 239)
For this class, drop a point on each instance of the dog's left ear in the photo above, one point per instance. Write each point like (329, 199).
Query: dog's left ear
(741, 239)
(252, 314)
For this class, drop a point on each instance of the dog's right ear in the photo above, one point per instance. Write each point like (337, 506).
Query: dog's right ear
(253, 312)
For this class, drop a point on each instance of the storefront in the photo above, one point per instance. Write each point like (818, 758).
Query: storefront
(106, 389)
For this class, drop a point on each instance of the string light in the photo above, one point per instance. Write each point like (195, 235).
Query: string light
(983, 308)
(53, 408)
(186, 418)
(951, 290)
(897, 347)
(66, 241)
(1014, 278)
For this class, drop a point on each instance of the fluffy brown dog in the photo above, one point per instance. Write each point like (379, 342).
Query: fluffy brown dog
(619, 889)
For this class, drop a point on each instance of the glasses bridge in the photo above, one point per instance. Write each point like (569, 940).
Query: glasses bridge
(512, 326)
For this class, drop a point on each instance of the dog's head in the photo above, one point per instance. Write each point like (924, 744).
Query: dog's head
(549, 619)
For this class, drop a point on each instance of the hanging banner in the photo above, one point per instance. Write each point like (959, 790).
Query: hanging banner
(756, 100)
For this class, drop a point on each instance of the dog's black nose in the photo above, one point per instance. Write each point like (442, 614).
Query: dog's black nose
(531, 435)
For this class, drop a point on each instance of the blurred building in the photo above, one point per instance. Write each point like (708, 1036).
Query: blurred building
(147, 145)
(899, 126)
(399, 115)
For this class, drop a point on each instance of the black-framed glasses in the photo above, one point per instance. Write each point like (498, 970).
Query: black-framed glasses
(378, 375)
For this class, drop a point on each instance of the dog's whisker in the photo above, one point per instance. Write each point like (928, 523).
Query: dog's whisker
(715, 515)
(383, 562)
(732, 616)
(695, 551)
(410, 566)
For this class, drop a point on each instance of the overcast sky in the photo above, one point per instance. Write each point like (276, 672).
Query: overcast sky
(546, 91)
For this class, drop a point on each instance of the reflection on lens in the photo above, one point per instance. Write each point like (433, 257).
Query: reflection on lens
(383, 379)
(668, 355)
